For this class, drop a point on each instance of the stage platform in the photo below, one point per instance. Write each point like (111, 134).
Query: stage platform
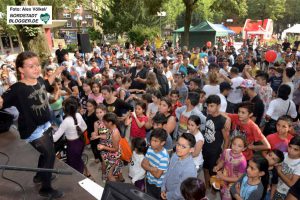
(23, 154)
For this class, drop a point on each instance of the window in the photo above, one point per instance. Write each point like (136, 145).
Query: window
(69, 24)
(88, 16)
(67, 15)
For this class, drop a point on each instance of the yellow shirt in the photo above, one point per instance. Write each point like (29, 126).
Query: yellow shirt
(195, 58)
(158, 42)
(254, 71)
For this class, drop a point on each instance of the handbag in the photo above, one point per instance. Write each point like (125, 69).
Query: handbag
(126, 152)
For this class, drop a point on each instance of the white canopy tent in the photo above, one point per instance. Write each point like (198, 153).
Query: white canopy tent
(293, 29)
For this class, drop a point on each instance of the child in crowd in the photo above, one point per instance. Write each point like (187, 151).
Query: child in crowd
(289, 171)
(263, 89)
(275, 81)
(73, 121)
(231, 166)
(253, 184)
(153, 107)
(180, 86)
(136, 172)
(156, 162)
(280, 140)
(181, 167)
(183, 113)
(96, 92)
(193, 189)
(100, 133)
(90, 118)
(216, 135)
(244, 126)
(174, 95)
(55, 101)
(111, 149)
(201, 105)
(138, 121)
(84, 92)
(194, 128)
(274, 157)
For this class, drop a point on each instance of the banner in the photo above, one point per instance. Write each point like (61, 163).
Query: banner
(31, 15)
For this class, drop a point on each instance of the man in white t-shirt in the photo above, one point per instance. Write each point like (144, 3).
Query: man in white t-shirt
(236, 95)
(225, 89)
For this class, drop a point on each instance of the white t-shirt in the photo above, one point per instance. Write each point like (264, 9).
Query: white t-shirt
(152, 108)
(211, 89)
(289, 167)
(169, 74)
(136, 172)
(223, 103)
(199, 159)
(292, 89)
(236, 95)
(68, 128)
(279, 107)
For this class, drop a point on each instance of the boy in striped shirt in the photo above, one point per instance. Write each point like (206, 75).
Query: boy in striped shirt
(156, 162)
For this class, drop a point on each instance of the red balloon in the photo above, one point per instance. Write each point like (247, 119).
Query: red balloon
(208, 44)
(271, 56)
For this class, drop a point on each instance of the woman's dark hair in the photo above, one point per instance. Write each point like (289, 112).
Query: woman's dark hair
(111, 117)
(295, 140)
(174, 92)
(139, 144)
(156, 93)
(107, 88)
(287, 119)
(70, 109)
(93, 102)
(193, 189)
(168, 102)
(160, 119)
(97, 83)
(21, 58)
(190, 138)
(142, 105)
(263, 166)
(67, 74)
(284, 91)
(195, 119)
(87, 82)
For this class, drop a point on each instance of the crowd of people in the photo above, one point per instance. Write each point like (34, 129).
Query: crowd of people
(217, 110)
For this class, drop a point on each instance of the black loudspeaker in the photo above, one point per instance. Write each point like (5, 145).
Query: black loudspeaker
(84, 43)
(123, 191)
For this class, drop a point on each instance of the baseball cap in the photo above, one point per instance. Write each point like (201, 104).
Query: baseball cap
(224, 86)
(247, 83)
(180, 73)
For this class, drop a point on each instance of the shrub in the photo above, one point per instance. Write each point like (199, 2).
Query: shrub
(138, 33)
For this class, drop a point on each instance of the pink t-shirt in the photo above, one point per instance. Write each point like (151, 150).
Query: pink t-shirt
(234, 165)
(98, 99)
(135, 131)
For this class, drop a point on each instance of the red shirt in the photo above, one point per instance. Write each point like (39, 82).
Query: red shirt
(250, 130)
(176, 105)
(135, 131)
(277, 143)
(95, 70)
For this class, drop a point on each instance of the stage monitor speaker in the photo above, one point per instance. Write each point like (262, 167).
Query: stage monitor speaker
(84, 43)
(123, 191)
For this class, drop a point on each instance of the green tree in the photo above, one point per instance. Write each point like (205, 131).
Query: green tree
(229, 9)
(264, 9)
(190, 6)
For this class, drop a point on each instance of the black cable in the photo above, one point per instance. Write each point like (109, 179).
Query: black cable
(4, 177)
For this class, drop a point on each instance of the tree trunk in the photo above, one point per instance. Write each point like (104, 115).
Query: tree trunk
(187, 23)
(37, 44)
